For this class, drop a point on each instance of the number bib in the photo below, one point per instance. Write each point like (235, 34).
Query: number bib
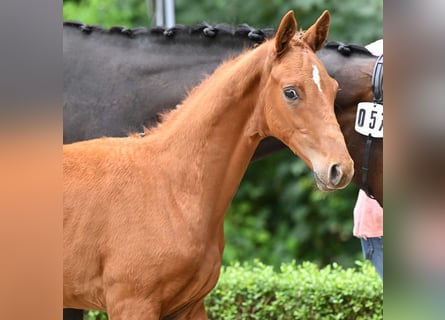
(369, 119)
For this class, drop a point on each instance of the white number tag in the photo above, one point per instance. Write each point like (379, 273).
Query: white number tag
(369, 119)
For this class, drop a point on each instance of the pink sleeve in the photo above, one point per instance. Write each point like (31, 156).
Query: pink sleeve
(368, 217)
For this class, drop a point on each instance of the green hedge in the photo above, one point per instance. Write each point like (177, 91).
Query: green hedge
(256, 291)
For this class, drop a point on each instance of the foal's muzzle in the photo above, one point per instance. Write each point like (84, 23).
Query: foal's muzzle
(337, 176)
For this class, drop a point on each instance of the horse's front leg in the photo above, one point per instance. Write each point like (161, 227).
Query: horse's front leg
(72, 314)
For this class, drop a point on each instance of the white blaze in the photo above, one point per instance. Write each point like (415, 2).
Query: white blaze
(316, 76)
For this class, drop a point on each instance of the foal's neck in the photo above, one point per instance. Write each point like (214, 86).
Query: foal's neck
(208, 145)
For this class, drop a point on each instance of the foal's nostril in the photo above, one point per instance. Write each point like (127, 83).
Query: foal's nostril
(335, 175)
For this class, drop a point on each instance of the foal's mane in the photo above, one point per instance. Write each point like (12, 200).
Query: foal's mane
(170, 115)
(201, 29)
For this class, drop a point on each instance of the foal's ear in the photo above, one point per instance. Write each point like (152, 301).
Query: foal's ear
(285, 32)
(317, 34)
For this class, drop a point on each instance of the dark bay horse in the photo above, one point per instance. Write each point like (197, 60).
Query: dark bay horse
(143, 216)
(353, 70)
(117, 81)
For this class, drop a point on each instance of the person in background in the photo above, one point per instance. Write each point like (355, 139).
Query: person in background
(368, 214)
(368, 227)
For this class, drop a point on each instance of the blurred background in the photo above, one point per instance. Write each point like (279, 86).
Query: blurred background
(357, 21)
(278, 215)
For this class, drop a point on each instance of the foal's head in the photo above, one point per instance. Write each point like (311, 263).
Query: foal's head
(297, 102)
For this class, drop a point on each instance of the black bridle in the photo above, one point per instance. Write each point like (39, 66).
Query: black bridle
(377, 89)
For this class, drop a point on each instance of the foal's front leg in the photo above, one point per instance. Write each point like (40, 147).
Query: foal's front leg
(132, 308)
(136, 310)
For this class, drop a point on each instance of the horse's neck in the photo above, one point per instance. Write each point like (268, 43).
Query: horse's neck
(356, 144)
(208, 146)
(151, 53)
(354, 73)
(147, 63)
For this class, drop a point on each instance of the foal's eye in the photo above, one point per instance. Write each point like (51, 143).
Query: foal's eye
(291, 93)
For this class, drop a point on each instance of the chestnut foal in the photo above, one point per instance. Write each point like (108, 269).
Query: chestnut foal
(143, 216)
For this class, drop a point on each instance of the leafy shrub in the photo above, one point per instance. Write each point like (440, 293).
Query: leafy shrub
(256, 291)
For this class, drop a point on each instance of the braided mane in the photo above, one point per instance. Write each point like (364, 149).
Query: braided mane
(347, 49)
(203, 29)
(208, 31)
